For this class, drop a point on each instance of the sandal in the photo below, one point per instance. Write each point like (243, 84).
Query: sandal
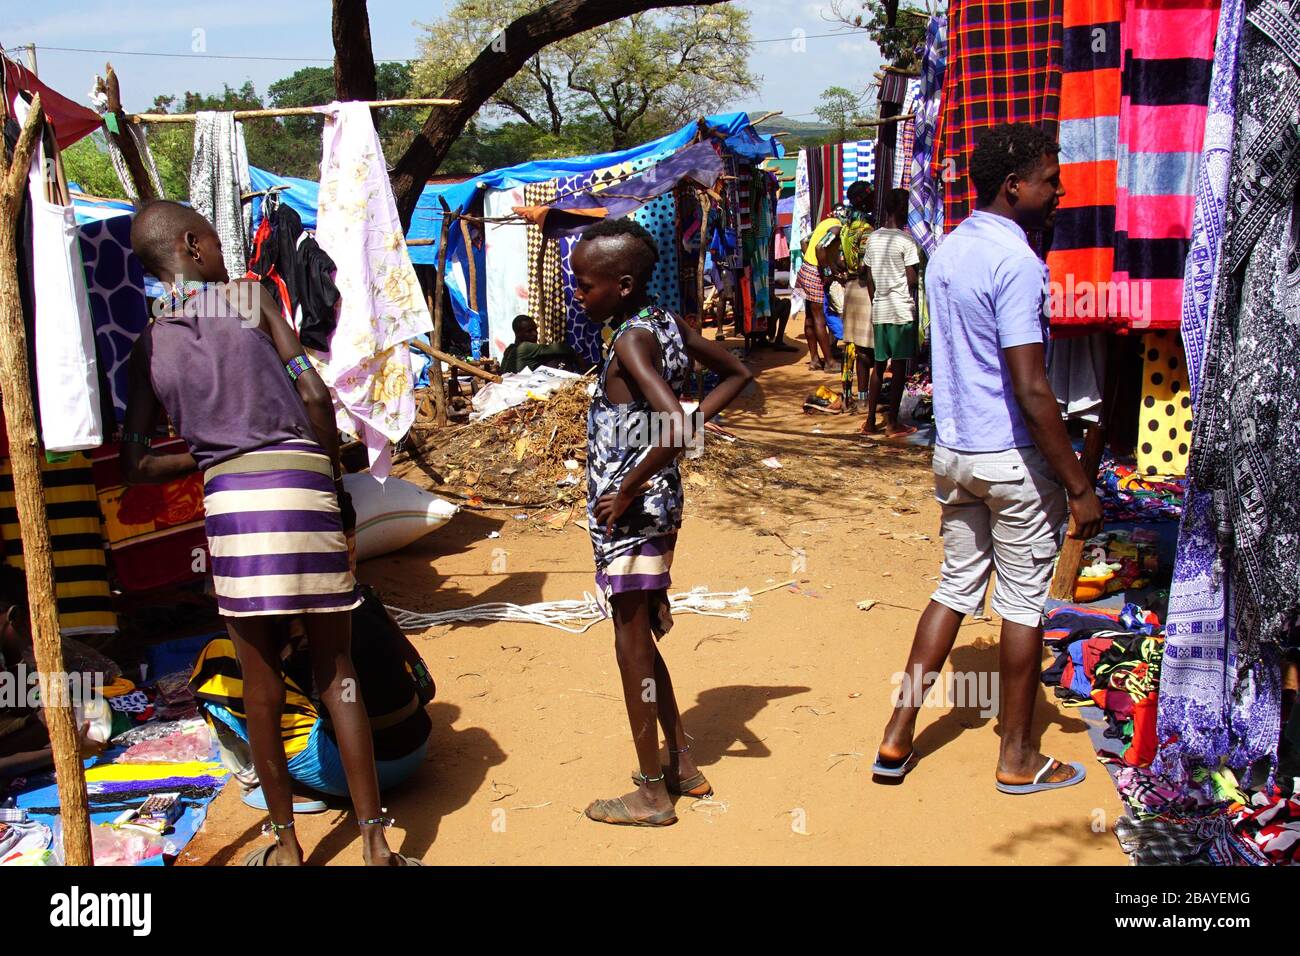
(617, 812)
(696, 785)
(386, 822)
(261, 855)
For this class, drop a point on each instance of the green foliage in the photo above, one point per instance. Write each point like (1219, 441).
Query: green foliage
(901, 44)
(640, 75)
(86, 163)
(840, 108)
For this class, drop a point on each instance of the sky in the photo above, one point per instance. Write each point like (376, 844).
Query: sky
(288, 34)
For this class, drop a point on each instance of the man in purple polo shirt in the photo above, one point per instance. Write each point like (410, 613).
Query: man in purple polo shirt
(1004, 467)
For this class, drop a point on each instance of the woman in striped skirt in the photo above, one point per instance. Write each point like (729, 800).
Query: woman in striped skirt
(230, 373)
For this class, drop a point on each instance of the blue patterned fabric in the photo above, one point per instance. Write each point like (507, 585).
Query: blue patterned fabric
(925, 216)
(115, 282)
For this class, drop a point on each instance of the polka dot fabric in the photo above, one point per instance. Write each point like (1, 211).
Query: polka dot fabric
(1165, 413)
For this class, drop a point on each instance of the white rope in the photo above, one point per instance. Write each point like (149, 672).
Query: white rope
(575, 617)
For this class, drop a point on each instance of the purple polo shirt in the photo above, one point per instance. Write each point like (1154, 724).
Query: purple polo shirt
(985, 288)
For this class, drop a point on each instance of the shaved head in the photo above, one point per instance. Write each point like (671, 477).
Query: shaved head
(621, 247)
(157, 234)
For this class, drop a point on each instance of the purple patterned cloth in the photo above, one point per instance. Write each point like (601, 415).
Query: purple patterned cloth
(1208, 713)
(925, 216)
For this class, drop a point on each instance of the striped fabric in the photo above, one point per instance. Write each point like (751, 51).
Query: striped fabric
(907, 135)
(1004, 66)
(1082, 255)
(1168, 49)
(645, 568)
(76, 537)
(274, 534)
(925, 206)
(859, 162)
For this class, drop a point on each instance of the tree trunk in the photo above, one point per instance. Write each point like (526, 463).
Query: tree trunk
(498, 62)
(354, 58)
(29, 498)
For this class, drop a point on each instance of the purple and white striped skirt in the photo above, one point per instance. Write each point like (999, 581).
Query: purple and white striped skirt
(645, 566)
(275, 535)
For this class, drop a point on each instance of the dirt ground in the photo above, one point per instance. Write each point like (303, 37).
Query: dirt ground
(786, 708)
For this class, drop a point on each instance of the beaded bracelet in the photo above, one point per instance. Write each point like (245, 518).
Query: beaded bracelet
(135, 438)
(296, 366)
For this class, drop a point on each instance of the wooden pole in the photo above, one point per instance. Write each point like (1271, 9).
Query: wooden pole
(1071, 558)
(454, 362)
(29, 495)
(472, 272)
(135, 167)
(706, 204)
(440, 396)
(281, 111)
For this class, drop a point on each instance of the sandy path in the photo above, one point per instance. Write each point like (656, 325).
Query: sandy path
(786, 708)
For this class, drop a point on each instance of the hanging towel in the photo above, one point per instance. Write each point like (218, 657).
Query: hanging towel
(1083, 250)
(67, 374)
(925, 197)
(1004, 66)
(218, 180)
(1168, 54)
(368, 366)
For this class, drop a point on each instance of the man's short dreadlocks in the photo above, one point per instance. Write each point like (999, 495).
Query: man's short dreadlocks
(1006, 149)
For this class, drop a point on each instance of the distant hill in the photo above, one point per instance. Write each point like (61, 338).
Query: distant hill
(800, 128)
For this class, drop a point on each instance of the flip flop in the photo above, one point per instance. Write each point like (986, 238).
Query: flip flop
(1020, 788)
(901, 436)
(898, 770)
(256, 799)
(615, 811)
(408, 860)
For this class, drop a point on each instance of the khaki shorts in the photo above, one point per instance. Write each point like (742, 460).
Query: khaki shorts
(1002, 511)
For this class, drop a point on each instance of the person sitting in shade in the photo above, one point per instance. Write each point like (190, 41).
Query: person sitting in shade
(525, 352)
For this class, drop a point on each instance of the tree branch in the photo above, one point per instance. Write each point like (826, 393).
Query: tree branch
(474, 86)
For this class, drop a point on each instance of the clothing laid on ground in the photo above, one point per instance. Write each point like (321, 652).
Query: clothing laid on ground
(985, 290)
(1004, 511)
(888, 254)
(637, 554)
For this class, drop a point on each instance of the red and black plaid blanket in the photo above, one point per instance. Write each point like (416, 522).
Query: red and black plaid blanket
(1004, 66)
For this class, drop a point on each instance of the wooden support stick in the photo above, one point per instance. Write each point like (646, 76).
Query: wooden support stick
(29, 495)
(1071, 558)
(281, 111)
(766, 116)
(885, 121)
(440, 397)
(123, 139)
(455, 362)
(706, 205)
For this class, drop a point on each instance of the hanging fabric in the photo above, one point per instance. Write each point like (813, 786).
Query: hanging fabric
(218, 181)
(368, 367)
(1201, 719)
(925, 197)
(1004, 66)
(545, 292)
(72, 510)
(67, 373)
(506, 258)
(1165, 412)
(907, 135)
(1168, 53)
(801, 224)
(1082, 256)
(118, 308)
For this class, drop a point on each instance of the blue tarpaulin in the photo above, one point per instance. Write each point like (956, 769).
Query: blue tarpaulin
(739, 138)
